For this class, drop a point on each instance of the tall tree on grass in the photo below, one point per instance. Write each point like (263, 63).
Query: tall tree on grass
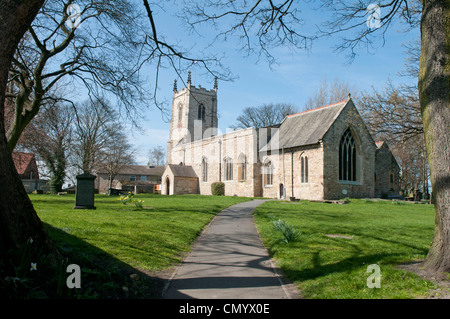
(51, 139)
(101, 44)
(73, 42)
(18, 219)
(116, 154)
(95, 124)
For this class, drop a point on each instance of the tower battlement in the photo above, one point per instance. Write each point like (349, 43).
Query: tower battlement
(194, 113)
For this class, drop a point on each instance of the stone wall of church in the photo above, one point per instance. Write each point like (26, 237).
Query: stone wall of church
(288, 173)
(365, 163)
(234, 145)
(184, 185)
(387, 173)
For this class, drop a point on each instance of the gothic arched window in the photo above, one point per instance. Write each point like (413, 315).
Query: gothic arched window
(242, 168)
(268, 174)
(228, 171)
(347, 157)
(204, 170)
(201, 112)
(304, 169)
(180, 112)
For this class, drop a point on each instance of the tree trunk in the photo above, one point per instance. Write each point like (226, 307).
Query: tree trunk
(434, 92)
(18, 219)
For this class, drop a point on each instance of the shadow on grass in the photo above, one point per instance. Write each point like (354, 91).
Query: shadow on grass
(102, 275)
(343, 266)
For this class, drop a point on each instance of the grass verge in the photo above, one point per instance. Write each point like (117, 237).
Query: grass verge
(331, 257)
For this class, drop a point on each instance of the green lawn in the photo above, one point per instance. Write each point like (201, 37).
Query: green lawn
(117, 240)
(115, 236)
(382, 233)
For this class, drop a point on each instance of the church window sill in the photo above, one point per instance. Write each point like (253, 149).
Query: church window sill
(350, 182)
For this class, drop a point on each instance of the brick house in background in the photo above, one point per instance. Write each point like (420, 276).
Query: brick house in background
(134, 178)
(26, 165)
(27, 169)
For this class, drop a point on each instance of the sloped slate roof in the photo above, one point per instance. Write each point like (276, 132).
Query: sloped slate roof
(137, 170)
(182, 171)
(305, 128)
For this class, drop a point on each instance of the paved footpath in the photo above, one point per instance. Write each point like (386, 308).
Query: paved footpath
(228, 261)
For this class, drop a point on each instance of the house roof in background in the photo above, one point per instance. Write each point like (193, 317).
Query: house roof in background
(22, 161)
(141, 170)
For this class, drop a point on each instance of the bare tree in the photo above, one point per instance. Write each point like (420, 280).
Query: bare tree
(156, 156)
(259, 25)
(326, 94)
(18, 219)
(264, 115)
(60, 50)
(51, 139)
(393, 114)
(393, 111)
(116, 154)
(96, 122)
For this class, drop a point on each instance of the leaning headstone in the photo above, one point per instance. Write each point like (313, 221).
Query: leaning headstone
(84, 198)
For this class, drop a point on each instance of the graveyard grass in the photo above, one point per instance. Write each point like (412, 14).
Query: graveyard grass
(123, 250)
(115, 241)
(330, 257)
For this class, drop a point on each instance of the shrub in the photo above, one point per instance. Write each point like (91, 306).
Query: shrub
(218, 189)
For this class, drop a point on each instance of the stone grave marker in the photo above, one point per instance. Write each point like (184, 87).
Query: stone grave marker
(84, 198)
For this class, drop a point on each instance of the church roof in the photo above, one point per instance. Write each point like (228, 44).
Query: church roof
(182, 170)
(305, 128)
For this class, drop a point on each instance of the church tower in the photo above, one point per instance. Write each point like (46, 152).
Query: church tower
(194, 114)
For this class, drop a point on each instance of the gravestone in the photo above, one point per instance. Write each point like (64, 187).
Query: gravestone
(84, 198)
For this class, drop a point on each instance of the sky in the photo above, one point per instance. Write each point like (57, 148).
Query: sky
(293, 79)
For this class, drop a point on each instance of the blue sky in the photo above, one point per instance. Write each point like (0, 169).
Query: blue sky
(293, 79)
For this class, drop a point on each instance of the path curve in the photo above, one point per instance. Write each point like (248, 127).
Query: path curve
(228, 261)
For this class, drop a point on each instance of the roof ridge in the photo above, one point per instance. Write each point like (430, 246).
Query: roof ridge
(317, 108)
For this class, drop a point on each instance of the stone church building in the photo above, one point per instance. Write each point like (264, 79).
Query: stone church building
(324, 153)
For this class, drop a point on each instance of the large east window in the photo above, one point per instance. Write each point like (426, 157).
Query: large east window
(347, 157)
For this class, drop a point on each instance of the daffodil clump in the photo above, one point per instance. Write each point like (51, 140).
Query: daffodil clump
(130, 199)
